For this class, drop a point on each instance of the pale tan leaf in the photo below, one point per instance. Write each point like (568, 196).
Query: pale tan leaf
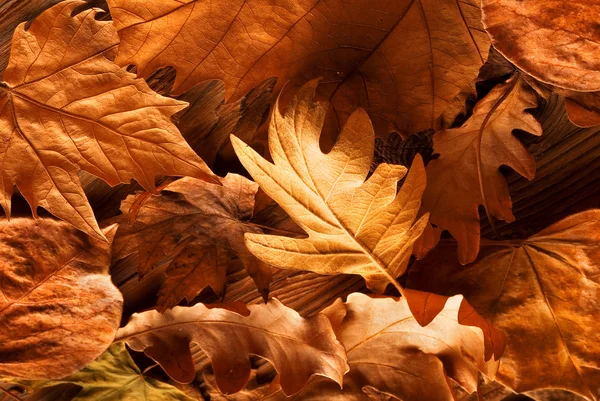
(354, 226)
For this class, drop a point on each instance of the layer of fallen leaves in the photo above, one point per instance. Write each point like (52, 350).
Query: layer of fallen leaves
(306, 188)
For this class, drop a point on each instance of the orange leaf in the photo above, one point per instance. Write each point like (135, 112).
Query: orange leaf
(65, 107)
(59, 309)
(403, 61)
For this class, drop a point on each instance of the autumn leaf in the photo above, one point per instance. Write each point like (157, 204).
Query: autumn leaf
(554, 41)
(59, 309)
(297, 347)
(543, 293)
(391, 352)
(115, 377)
(353, 226)
(65, 107)
(466, 173)
(196, 229)
(403, 61)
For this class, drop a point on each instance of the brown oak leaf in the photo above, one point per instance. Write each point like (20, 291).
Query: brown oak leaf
(59, 309)
(390, 352)
(555, 41)
(65, 107)
(466, 173)
(298, 348)
(403, 61)
(543, 293)
(353, 226)
(196, 229)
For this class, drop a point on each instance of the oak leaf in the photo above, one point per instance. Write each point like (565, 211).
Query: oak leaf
(297, 347)
(353, 226)
(543, 293)
(466, 173)
(555, 41)
(59, 309)
(196, 229)
(404, 61)
(390, 352)
(65, 107)
(114, 376)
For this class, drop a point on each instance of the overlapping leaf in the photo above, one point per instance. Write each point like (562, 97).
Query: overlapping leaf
(297, 347)
(466, 173)
(115, 377)
(59, 309)
(404, 61)
(65, 107)
(390, 354)
(555, 41)
(543, 292)
(196, 229)
(353, 226)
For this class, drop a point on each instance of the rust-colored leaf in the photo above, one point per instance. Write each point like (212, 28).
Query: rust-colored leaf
(195, 228)
(555, 41)
(543, 293)
(466, 174)
(297, 347)
(65, 107)
(59, 309)
(390, 353)
(404, 61)
(353, 226)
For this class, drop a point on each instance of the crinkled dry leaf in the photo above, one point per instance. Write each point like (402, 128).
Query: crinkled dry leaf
(65, 107)
(388, 350)
(297, 347)
(404, 61)
(543, 292)
(466, 174)
(115, 377)
(353, 226)
(59, 309)
(555, 41)
(195, 228)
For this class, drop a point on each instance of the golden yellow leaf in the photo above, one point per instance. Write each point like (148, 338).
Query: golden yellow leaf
(65, 107)
(353, 226)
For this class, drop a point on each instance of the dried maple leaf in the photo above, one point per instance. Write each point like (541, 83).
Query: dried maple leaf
(195, 229)
(65, 107)
(543, 293)
(353, 226)
(297, 347)
(466, 174)
(555, 41)
(404, 61)
(59, 309)
(115, 377)
(389, 351)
